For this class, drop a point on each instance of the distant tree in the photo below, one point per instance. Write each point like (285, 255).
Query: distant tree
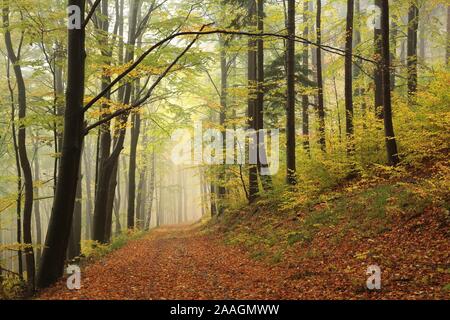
(378, 68)
(413, 25)
(305, 63)
(349, 76)
(391, 144)
(320, 99)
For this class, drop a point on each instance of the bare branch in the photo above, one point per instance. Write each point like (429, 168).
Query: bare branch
(91, 13)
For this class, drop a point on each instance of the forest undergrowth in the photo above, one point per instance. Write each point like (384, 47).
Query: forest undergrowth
(398, 220)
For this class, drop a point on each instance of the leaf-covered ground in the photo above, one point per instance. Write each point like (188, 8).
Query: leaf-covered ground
(187, 263)
(178, 263)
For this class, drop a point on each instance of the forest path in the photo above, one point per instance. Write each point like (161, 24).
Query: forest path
(178, 262)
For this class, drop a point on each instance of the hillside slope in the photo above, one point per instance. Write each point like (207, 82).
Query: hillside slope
(399, 222)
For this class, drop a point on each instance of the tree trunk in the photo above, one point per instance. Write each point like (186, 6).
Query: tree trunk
(359, 90)
(305, 62)
(151, 193)
(135, 131)
(141, 198)
(378, 67)
(222, 118)
(110, 202)
(23, 156)
(394, 34)
(52, 261)
(266, 180)
(104, 200)
(19, 174)
(88, 203)
(74, 249)
(349, 77)
(391, 144)
(104, 150)
(320, 99)
(37, 208)
(413, 25)
(251, 103)
(447, 53)
(58, 106)
(290, 95)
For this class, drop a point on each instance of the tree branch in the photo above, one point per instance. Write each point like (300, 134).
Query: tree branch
(330, 49)
(141, 101)
(91, 13)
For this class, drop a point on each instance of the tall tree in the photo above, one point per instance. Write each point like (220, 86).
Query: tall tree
(22, 149)
(391, 143)
(290, 94)
(260, 87)
(447, 52)
(135, 132)
(37, 207)
(320, 98)
(305, 63)
(53, 256)
(222, 113)
(378, 67)
(251, 77)
(104, 170)
(349, 76)
(413, 26)
(19, 172)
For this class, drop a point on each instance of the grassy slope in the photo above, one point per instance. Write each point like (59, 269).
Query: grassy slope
(400, 222)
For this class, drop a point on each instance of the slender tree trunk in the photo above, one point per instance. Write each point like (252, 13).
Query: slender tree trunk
(213, 200)
(359, 90)
(222, 118)
(104, 150)
(135, 131)
(104, 201)
(58, 106)
(88, 202)
(74, 249)
(266, 180)
(19, 173)
(413, 25)
(378, 68)
(141, 198)
(53, 256)
(290, 94)
(422, 42)
(394, 33)
(251, 77)
(185, 197)
(151, 193)
(37, 208)
(447, 53)
(110, 202)
(305, 62)
(391, 144)
(23, 156)
(349, 77)
(320, 98)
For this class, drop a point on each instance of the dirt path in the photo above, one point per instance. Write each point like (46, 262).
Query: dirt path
(178, 263)
(185, 264)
